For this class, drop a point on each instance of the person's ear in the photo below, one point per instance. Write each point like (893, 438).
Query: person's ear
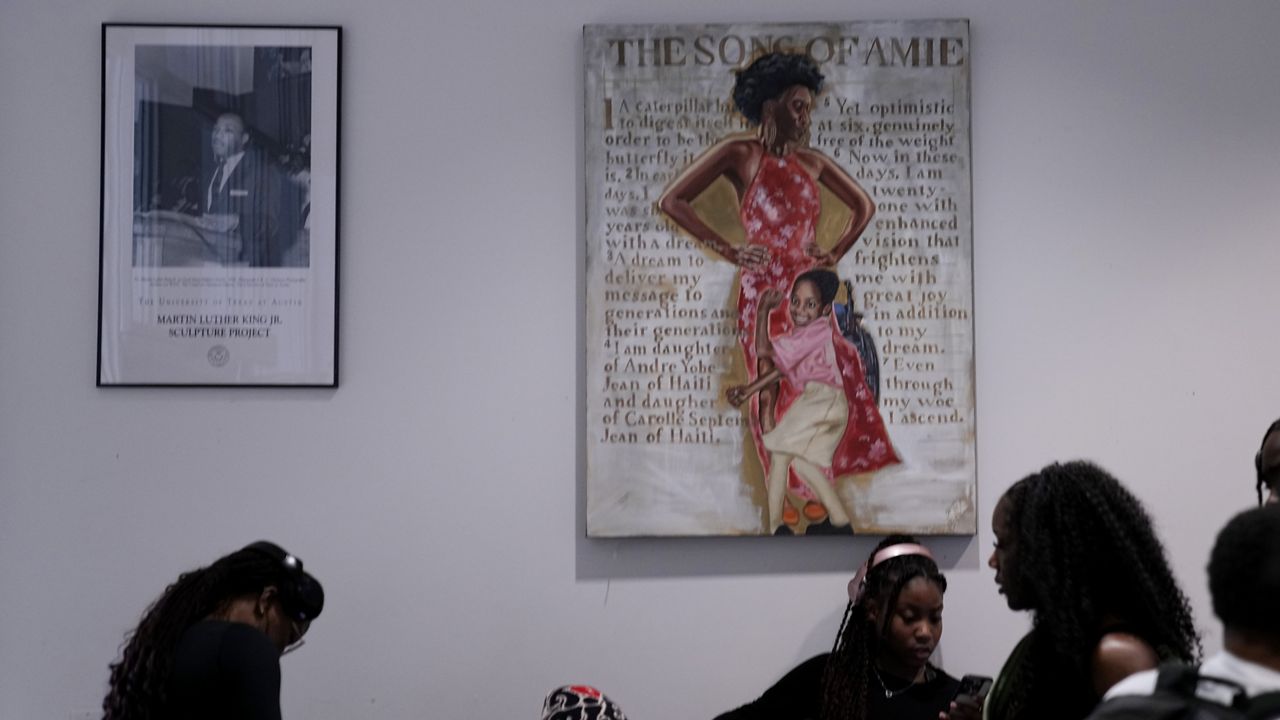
(877, 614)
(826, 310)
(262, 605)
(873, 611)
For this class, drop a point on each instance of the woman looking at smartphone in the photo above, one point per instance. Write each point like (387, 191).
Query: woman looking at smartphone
(1074, 547)
(879, 668)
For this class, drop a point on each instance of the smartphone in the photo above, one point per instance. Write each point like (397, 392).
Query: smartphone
(974, 686)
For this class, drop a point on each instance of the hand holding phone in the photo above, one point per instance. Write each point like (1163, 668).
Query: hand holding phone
(966, 704)
(974, 686)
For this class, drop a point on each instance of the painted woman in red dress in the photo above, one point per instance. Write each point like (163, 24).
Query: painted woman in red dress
(777, 178)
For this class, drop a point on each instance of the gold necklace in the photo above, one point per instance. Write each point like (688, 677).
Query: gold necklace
(889, 694)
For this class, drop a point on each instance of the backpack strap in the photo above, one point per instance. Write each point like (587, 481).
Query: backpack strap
(1185, 681)
(1178, 678)
(1263, 707)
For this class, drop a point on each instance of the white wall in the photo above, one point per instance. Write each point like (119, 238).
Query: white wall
(1126, 164)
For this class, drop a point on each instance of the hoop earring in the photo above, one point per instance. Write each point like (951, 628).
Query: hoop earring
(769, 133)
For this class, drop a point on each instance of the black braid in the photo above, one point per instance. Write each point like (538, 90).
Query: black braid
(1088, 554)
(138, 688)
(847, 677)
(1271, 474)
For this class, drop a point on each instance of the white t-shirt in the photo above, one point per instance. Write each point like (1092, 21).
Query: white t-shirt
(1255, 679)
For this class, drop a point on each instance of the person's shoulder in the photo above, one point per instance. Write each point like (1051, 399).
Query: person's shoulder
(814, 667)
(1121, 645)
(739, 146)
(209, 628)
(228, 644)
(735, 153)
(818, 661)
(797, 694)
(1118, 655)
(806, 674)
(240, 631)
(815, 160)
(247, 648)
(213, 632)
(746, 138)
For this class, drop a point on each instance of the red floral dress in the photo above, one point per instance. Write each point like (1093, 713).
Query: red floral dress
(780, 211)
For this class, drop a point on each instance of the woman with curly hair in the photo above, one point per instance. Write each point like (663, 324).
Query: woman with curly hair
(209, 647)
(879, 668)
(778, 181)
(1077, 549)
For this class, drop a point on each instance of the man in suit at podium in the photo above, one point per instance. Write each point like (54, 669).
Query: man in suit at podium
(245, 186)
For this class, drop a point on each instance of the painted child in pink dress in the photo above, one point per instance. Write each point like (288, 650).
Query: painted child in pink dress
(834, 404)
(778, 180)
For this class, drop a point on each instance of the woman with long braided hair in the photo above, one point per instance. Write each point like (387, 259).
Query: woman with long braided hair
(879, 668)
(1077, 549)
(210, 645)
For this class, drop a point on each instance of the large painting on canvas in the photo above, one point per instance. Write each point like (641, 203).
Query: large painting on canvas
(779, 280)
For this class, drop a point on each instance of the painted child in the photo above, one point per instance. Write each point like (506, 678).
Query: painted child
(807, 435)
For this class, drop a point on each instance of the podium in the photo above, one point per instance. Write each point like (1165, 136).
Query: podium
(163, 238)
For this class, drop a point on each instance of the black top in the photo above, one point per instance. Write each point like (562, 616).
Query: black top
(1060, 689)
(225, 670)
(798, 696)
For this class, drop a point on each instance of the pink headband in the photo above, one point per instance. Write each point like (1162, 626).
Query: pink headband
(858, 585)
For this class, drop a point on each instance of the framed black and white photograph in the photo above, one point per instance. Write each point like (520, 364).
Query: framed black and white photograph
(219, 234)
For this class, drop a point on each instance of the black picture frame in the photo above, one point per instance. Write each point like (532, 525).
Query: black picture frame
(219, 235)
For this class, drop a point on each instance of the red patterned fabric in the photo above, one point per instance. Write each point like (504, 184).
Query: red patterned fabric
(780, 211)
